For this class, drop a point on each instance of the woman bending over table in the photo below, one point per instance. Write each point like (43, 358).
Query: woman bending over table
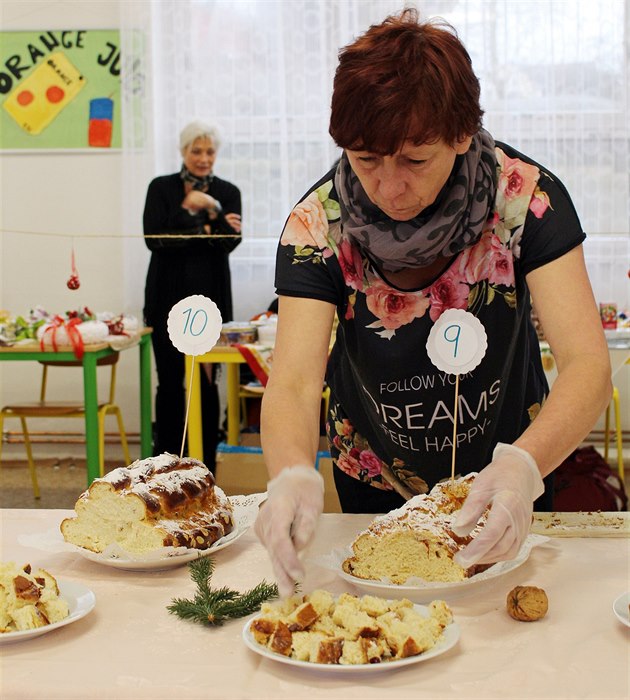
(425, 212)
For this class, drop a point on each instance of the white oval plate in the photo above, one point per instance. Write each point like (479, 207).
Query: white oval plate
(80, 601)
(175, 556)
(428, 591)
(620, 608)
(449, 639)
(245, 512)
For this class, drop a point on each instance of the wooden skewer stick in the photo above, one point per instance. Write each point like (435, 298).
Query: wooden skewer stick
(192, 374)
(455, 428)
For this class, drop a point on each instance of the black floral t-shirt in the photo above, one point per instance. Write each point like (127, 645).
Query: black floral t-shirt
(392, 411)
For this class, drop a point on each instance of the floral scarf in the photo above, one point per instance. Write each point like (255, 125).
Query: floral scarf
(198, 183)
(457, 222)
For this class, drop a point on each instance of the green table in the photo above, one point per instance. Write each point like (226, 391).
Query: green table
(92, 354)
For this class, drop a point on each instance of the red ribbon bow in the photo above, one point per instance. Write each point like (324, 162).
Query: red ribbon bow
(74, 334)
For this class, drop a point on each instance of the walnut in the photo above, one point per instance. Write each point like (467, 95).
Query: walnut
(527, 603)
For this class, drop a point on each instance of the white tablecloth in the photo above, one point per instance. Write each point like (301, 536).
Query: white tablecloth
(129, 646)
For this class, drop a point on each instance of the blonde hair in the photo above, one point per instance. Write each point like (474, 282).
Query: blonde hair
(198, 130)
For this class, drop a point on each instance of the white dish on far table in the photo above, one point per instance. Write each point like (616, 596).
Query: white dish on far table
(620, 608)
(449, 639)
(80, 601)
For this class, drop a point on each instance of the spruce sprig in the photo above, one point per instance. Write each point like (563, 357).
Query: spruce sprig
(201, 571)
(214, 606)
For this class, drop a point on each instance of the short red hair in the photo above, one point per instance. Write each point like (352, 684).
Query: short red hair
(404, 80)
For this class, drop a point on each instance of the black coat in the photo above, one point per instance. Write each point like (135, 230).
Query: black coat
(181, 267)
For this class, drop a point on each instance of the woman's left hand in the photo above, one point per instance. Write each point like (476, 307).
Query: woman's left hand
(235, 221)
(510, 484)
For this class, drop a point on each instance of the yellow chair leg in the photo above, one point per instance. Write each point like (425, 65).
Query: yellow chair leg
(326, 397)
(243, 412)
(29, 454)
(101, 437)
(617, 407)
(101, 442)
(123, 437)
(1, 432)
(606, 431)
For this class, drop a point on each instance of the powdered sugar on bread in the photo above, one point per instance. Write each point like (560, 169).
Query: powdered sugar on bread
(153, 503)
(416, 540)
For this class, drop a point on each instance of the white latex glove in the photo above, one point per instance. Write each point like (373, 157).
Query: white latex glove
(510, 483)
(287, 520)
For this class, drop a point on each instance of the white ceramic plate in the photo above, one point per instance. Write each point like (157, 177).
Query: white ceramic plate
(449, 639)
(428, 591)
(620, 608)
(80, 601)
(176, 556)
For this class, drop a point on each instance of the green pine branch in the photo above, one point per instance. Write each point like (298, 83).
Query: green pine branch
(214, 606)
(201, 571)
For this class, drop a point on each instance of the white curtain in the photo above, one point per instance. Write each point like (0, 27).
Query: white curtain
(554, 78)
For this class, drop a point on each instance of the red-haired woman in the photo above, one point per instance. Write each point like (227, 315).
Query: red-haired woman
(425, 212)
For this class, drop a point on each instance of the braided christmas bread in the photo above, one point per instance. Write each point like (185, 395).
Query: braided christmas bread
(416, 540)
(157, 502)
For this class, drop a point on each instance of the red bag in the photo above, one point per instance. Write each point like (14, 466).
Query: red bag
(585, 481)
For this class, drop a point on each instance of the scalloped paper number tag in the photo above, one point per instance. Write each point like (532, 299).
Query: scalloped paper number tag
(194, 325)
(457, 342)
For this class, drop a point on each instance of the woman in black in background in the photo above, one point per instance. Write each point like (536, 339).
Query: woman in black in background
(206, 211)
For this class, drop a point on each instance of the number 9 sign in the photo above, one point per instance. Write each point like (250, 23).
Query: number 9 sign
(457, 342)
(194, 325)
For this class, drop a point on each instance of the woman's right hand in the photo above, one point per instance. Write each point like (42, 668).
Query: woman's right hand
(286, 521)
(195, 201)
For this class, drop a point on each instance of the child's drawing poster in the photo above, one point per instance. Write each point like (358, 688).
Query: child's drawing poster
(60, 89)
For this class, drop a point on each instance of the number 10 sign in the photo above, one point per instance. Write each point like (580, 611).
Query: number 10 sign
(194, 325)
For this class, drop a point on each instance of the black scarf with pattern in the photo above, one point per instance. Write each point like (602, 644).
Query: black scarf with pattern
(456, 223)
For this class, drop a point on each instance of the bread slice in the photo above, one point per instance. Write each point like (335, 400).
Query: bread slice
(416, 540)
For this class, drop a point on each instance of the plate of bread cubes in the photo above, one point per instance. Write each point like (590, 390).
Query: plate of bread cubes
(33, 602)
(348, 633)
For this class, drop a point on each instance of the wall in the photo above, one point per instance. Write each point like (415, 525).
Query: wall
(82, 195)
(68, 193)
